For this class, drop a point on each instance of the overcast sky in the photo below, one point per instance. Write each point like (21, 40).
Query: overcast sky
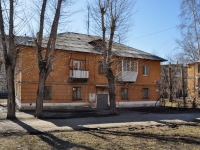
(154, 28)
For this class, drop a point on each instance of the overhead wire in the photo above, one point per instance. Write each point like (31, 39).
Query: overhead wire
(154, 33)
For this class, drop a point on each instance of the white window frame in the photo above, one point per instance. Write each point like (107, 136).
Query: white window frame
(77, 65)
(145, 70)
(128, 65)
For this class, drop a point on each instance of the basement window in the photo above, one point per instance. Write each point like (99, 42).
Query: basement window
(47, 93)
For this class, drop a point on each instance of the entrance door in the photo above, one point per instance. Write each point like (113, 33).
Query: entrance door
(102, 101)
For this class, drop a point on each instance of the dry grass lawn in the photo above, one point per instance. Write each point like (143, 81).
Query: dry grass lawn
(173, 137)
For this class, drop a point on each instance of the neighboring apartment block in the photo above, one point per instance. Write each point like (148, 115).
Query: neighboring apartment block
(194, 80)
(77, 78)
(3, 80)
(173, 80)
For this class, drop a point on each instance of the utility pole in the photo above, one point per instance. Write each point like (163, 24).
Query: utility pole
(183, 86)
(170, 83)
(88, 21)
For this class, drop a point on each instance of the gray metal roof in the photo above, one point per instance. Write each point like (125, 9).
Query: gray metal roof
(80, 43)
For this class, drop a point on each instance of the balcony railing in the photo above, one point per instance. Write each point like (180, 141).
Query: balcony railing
(127, 76)
(79, 74)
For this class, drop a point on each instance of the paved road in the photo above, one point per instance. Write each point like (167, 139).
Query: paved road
(26, 123)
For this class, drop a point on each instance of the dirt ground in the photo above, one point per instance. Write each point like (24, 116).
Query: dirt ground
(170, 137)
(160, 137)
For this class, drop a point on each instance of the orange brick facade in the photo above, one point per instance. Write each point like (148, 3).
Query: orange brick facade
(62, 87)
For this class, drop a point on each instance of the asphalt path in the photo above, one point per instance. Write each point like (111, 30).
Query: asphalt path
(27, 123)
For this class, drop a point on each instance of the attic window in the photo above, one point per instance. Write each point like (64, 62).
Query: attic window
(78, 38)
(97, 42)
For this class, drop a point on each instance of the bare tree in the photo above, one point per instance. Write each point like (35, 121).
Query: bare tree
(9, 53)
(189, 50)
(45, 56)
(173, 82)
(190, 26)
(112, 19)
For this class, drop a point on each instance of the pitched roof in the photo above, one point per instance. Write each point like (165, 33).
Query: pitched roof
(80, 43)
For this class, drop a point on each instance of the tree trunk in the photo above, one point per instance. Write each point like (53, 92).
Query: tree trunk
(11, 91)
(111, 82)
(183, 86)
(40, 94)
(45, 63)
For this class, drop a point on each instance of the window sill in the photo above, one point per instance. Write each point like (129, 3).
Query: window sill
(145, 98)
(145, 75)
(77, 99)
(124, 99)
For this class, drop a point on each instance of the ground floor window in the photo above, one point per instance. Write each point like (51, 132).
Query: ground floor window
(145, 93)
(198, 93)
(47, 93)
(76, 93)
(124, 93)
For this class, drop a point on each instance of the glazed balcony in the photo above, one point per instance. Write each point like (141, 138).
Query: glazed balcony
(127, 76)
(79, 74)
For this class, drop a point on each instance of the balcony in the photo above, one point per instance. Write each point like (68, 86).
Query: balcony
(79, 75)
(127, 76)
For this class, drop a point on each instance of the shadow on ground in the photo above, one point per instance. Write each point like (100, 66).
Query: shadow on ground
(49, 138)
(85, 113)
(71, 113)
(179, 138)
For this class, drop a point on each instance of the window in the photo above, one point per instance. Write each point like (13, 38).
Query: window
(76, 93)
(178, 72)
(198, 68)
(145, 93)
(124, 93)
(47, 92)
(198, 93)
(1, 67)
(101, 68)
(77, 65)
(198, 82)
(145, 70)
(125, 65)
(129, 65)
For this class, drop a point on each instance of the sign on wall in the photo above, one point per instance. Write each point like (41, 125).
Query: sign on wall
(92, 99)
